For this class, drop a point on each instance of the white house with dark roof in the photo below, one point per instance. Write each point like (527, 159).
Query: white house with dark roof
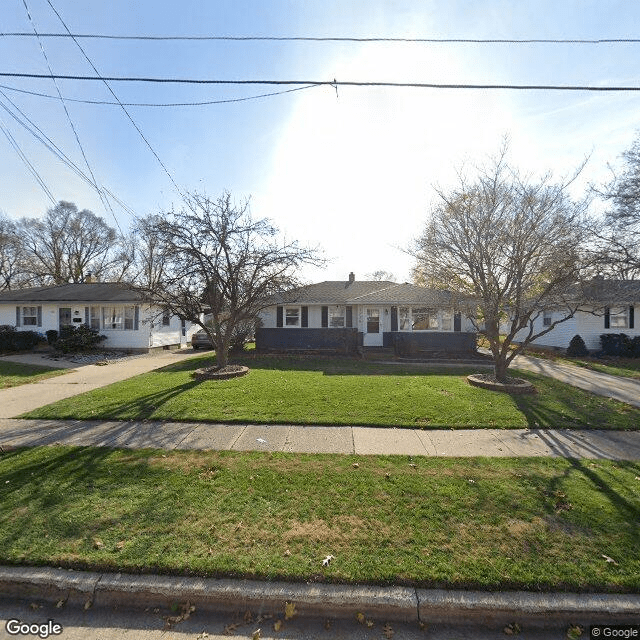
(608, 306)
(112, 308)
(345, 315)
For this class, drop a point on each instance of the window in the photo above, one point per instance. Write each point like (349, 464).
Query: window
(546, 319)
(118, 318)
(424, 319)
(93, 320)
(336, 316)
(373, 320)
(447, 321)
(618, 318)
(166, 318)
(292, 317)
(404, 319)
(30, 316)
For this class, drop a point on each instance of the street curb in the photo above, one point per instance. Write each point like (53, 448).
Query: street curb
(335, 601)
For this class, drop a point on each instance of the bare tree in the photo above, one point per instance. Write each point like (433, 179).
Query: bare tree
(67, 243)
(619, 238)
(150, 252)
(12, 261)
(218, 260)
(510, 248)
(381, 275)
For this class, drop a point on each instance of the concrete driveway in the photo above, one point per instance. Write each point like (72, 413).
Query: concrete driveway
(18, 400)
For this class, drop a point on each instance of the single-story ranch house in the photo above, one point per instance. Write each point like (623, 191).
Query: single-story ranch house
(111, 308)
(611, 308)
(344, 316)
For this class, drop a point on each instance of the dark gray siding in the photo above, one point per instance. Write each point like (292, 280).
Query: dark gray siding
(343, 341)
(430, 342)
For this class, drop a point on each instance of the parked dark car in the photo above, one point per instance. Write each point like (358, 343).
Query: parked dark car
(200, 340)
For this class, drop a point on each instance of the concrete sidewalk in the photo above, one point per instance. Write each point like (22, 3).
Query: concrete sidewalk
(18, 400)
(566, 443)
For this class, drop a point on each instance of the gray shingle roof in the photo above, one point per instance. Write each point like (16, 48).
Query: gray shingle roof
(367, 292)
(81, 292)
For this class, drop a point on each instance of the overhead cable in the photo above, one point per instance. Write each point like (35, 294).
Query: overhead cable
(328, 83)
(103, 36)
(160, 104)
(104, 80)
(103, 199)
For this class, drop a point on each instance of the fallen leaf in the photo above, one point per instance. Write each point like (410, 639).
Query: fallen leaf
(360, 618)
(413, 464)
(355, 465)
(512, 629)
(327, 560)
(35, 606)
(87, 604)
(327, 624)
(97, 543)
(287, 553)
(230, 629)
(59, 604)
(388, 631)
(370, 624)
(120, 545)
(248, 617)
(277, 625)
(608, 559)
(257, 634)
(422, 625)
(574, 631)
(289, 610)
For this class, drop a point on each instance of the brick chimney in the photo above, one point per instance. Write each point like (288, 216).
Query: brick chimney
(352, 278)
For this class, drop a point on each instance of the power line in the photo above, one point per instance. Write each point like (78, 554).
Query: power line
(13, 142)
(103, 199)
(42, 137)
(328, 83)
(159, 104)
(103, 36)
(104, 80)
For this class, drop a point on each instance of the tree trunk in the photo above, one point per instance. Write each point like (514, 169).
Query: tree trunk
(500, 368)
(222, 353)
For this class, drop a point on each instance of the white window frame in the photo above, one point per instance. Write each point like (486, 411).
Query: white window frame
(337, 317)
(120, 316)
(547, 318)
(406, 319)
(32, 314)
(286, 316)
(619, 318)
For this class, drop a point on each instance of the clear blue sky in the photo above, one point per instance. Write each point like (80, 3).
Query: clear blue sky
(351, 172)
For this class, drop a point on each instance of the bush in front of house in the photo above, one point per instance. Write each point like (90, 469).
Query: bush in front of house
(620, 344)
(12, 340)
(577, 348)
(80, 338)
(52, 336)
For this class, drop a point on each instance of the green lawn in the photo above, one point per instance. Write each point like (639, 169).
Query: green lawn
(13, 374)
(465, 523)
(288, 390)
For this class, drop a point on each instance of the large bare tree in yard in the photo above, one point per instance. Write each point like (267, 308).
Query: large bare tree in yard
(510, 247)
(66, 243)
(217, 259)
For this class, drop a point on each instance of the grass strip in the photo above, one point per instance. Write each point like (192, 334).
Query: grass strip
(535, 524)
(341, 391)
(13, 374)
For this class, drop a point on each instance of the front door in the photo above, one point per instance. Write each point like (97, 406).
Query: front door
(64, 317)
(372, 327)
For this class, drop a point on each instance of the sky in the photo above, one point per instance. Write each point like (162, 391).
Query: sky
(350, 170)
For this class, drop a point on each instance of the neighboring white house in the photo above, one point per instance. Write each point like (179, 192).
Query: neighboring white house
(611, 308)
(111, 308)
(343, 315)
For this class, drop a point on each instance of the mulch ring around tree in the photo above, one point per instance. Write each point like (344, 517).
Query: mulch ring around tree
(511, 385)
(220, 373)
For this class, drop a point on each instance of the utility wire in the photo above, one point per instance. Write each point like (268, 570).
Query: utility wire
(160, 104)
(104, 80)
(25, 160)
(329, 83)
(42, 137)
(103, 36)
(103, 199)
